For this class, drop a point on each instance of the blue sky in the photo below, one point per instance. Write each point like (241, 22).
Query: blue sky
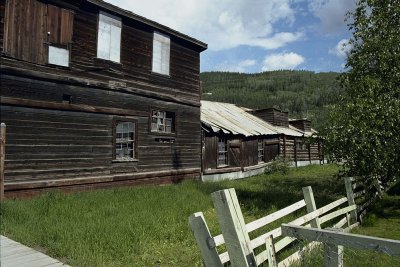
(257, 35)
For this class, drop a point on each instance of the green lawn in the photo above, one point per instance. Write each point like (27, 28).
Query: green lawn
(148, 225)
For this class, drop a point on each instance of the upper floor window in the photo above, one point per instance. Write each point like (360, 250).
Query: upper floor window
(125, 141)
(162, 121)
(260, 148)
(161, 51)
(109, 37)
(222, 152)
(59, 31)
(38, 32)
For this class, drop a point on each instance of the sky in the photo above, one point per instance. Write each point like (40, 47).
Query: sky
(253, 36)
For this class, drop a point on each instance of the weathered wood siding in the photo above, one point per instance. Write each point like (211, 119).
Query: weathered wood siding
(60, 120)
(303, 125)
(273, 116)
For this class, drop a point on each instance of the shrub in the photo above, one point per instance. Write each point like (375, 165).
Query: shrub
(279, 165)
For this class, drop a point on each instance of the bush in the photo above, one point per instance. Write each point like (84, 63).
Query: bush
(279, 165)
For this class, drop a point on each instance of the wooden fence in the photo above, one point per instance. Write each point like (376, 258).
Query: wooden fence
(235, 232)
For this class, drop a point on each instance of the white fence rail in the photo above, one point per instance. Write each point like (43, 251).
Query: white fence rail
(333, 242)
(241, 248)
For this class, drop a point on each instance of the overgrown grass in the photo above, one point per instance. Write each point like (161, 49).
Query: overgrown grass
(148, 225)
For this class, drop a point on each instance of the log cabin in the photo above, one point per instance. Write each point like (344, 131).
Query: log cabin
(95, 96)
(239, 142)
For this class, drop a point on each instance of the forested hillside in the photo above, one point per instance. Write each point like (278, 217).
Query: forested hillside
(304, 94)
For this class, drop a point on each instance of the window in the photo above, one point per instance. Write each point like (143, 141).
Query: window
(59, 26)
(222, 152)
(161, 51)
(301, 145)
(109, 37)
(260, 148)
(125, 143)
(37, 32)
(162, 121)
(58, 56)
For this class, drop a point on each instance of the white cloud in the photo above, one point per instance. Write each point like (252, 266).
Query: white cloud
(282, 61)
(341, 49)
(222, 24)
(332, 13)
(236, 67)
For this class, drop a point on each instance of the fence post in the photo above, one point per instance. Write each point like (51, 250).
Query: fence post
(233, 228)
(2, 157)
(204, 240)
(333, 254)
(270, 248)
(350, 199)
(310, 204)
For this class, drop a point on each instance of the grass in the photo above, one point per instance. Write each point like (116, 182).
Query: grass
(148, 225)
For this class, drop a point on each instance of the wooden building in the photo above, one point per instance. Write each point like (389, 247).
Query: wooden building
(94, 95)
(302, 149)
(239, 142)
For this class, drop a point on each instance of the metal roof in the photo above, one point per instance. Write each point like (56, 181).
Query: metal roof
(231, 119)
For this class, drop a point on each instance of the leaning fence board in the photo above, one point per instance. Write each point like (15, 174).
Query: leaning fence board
(274, 216)
(233, 228)
(388, 246)
(311, 206)
(203, 237)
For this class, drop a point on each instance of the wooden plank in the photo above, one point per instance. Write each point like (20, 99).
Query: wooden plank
(269, 244)
(274, 216)
(333, 254)
(337, 213)
(204, 240)
(16, 254)
(387, 246)
(233, 228)
(2, 158)
(350, 198)
(72, 107)
(311, 206)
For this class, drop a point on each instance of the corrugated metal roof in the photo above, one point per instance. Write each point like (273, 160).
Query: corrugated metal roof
(231, 119)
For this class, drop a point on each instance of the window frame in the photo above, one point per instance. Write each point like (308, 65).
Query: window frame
(173, 122)
(225, 152)
(260, 150)
(112, 21)
(116, 121)
(162, 41)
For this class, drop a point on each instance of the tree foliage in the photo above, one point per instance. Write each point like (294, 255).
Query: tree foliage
(365, 126)
(301, 93)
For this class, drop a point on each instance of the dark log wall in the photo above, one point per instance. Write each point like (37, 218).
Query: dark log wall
(48, 143)
(303, 125)
(60, 120)
(273, 116)
(136, 58)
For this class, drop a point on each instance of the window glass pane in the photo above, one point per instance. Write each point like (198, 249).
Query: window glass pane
(109, 37)
(103, 40)
(161, 54)
(115, 43)
(125, 138)
(58, 56)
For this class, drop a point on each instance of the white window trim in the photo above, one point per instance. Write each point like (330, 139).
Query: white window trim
(161, 54)
(109, 37)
